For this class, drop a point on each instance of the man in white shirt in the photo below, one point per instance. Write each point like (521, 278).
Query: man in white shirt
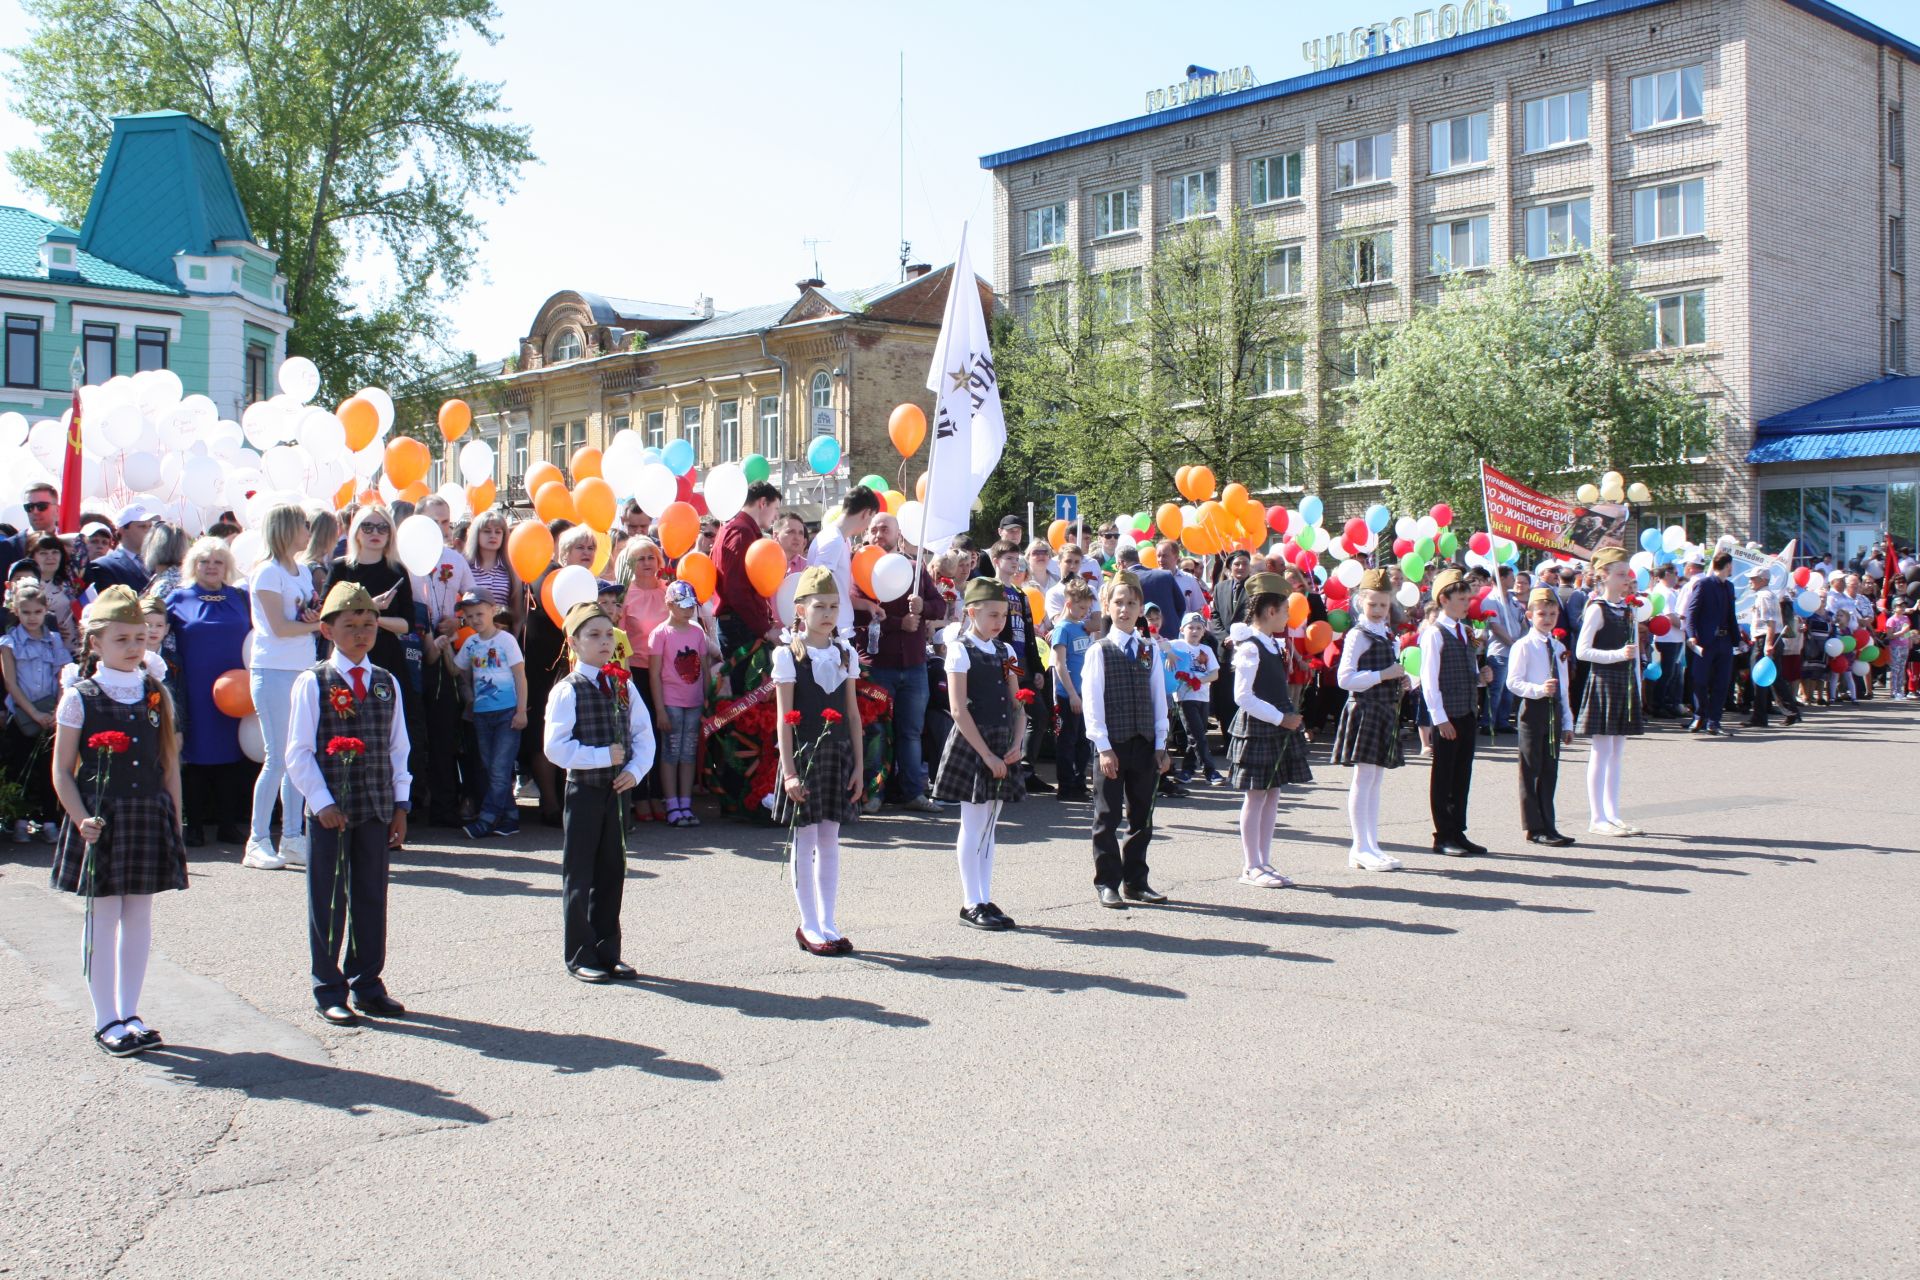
(832, 547)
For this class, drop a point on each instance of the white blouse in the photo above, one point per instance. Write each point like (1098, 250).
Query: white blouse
(126, 687)
(828, 664)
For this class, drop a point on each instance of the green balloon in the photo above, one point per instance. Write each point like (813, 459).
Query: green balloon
(1448, 543)
(1142, 522)
(1413, 564)
(876, 483)
(755, 468)
(1846, 644)
(1869, 653)
(1304, 539)
(1338, 619)
(1504, 551)
(1410, 662)
(1424, 548)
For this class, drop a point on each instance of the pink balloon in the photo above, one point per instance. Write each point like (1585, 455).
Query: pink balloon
(1480, 544)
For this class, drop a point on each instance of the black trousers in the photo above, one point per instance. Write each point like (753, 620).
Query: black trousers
(593, 874)
(354, 912)
(218, 793)
(1451, 778)
(1070, 749)
(1539, 731)
(1113, 863)
(442, 717)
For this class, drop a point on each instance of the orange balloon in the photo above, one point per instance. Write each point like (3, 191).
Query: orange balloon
(529, 550)
(1196, 539)
(593, 499)
(541, 474)
(1199, 484)
(415, 492)
(455, 417)
(1036, 603)
(553, 502)
(1213, 518)
(1057, 533)
(1169, 520)
(461, 636)
(1297, 611)
(766, 566)
(343, 497)
(1233, 497)
(696, 569)
(231, 695)
(1319, 634)
(1253, 518)
(369, 496)
(863, 561)
(678, 528)
(585, 464)
(1180, 480)
(1149, 556)
(920, 487)
(361, 420)
(546, 601)
(907, 428)
(893, 500)
(407, 460)
(480, 496)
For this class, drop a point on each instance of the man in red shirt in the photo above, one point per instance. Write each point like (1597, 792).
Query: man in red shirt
(745, 615)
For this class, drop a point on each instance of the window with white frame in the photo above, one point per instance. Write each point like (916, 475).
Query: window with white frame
(1363, 472)
(566, 346)
(1896, 346)
(519, 454)
(1272, 178)
(1120, 295)
(769, 437)
(1457, 143)
(690, 426)
(726, 442)
(564, 439)
(1676, 320)
(1896, 243)
(1287, 469)
(820, 397)
(1667, 97)
(1046, 227)
(657, 428)
(1460, 244)
(620, 423)
(1670, 211)
(1560, 228)
(1896, 137)
(1281, 275)
(1194, 195)
(1555, 121)
(1353, 361)
(1115, 212)
(1367, 259)
(1284, 370)
(1362, 160)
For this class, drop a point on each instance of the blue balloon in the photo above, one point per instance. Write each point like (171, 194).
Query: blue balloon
(1651, 671)
(1311, 509)
(1764, 673)
(678, 455)
(649, 454)
(1379, 516)
(1642, 579)
(1650, 540)
(823, 455)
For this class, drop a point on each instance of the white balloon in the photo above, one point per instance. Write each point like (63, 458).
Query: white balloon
(622, 464)
(420, 542)
(573, 584)
(1408, 595)
(253, 743)
(657, 489)
(1673, 537)
(140, 471)
(726, 490)
(1643, 610)
(249, 549)
(1349, 573)
(299, 378)
(13, 429)
(1407, 529)
(15, 515)
(284, 467)
(382, 405)
(1860, 668)
(912, 518)
(476, 461)
(369, 460)
(322, 435)
(1641, 560)
(892, 577)
(454, 495)
(389, 492)
(163, 393)
(783, 600)
(199, 410)
(1428, 528)
(261, 425)
(1816, 581)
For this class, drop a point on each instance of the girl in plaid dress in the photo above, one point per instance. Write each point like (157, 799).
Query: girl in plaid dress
(1264, 742)
(1368, 736)
(1610, 708)
(820, 754)
(988, 739)
(114, 739)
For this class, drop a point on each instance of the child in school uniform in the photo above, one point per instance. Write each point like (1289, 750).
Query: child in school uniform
(1537, 677)
(814, 679)
(596, 729)
(132, 849)
(31, 656)
(681, 650)
(1611, 710)
(988, 740)
(358, 798)
(1264, 745)
(1450, 677)
(1368, 735)
(1125, 697)
(1200, 669)
(1070, 643)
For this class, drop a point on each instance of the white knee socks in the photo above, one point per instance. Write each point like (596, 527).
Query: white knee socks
(1258, 812)
(1605, 755)
(806, 846)
(122, 939)
(1363, 807)
(974, 850)
(826, 886)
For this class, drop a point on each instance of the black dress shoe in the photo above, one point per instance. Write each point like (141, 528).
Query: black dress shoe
(1038, 786)
(1477, 850)
(1110, 897)
(622, 971)
(230, 833)
(587, 973)
(116, 1041)
(978, 917)
(1170, 786)
(339, 1015)
(1552, 839)
(1451, 848)
(194, 836)
(379, 1006)
(1006, 921)
(1141, 893)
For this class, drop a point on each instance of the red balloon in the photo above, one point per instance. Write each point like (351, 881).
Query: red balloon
(1306, 560)
(1277, 519)
(1861, 640)
(699, 504)
(1480, 544)
(1660, 624)
(1802, 576)
(1442, 514)
(1357, 532)
(1401, 546)
(1840, 665)
(685, 487)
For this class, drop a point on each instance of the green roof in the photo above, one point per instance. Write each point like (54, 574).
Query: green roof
(163, 189)
(21, 232)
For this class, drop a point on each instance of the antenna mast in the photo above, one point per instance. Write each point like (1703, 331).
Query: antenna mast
(906, 250)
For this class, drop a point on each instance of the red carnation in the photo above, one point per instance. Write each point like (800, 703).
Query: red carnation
(792, 717)
(351, 748)
(1023, 697)
(615, 672)
(830, 716)
(111, 740)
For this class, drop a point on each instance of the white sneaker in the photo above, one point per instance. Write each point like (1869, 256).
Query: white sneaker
(1627, 829)
(1366, 860)
(293, 850)
(261, 857)
(1604, 829)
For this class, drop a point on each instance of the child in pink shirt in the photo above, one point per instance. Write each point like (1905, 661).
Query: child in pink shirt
(680, 651)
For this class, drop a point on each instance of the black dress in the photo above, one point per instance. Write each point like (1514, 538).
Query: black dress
(1263, 754)
(822, 749)
(141, 850)
(1611, 703)
(963, 775)
(377, 577)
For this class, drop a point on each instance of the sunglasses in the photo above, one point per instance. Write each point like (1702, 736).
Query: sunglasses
(37, 506)
(370, 527)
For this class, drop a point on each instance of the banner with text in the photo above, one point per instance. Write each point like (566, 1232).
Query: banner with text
(1533, 519)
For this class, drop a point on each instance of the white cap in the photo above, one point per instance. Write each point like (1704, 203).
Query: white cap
(1696, 557)
(134, 512)
(95, 527)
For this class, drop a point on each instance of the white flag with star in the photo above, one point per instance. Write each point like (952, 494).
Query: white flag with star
(969, 430)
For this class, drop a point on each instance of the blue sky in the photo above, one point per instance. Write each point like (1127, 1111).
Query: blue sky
(689, 149)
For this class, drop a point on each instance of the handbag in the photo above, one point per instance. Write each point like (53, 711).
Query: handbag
(25, 723)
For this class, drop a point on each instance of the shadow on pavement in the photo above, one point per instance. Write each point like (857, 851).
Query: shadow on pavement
(1012, 976)
(1612, 864)
(1254, 915)
(482, 886)
(1447, 901)
(270, 1077)
(772, 1004)
(1172, 944)
(1469, 874)
(568, 1053)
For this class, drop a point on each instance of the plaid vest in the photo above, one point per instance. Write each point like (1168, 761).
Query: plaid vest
(809, 699)
(1616, 627)
(596, 723)
(987, 700)
(1270, 677)
(363, 789)
(1459, 674)
(1378, 656)
(1127, 690)
(136, 771)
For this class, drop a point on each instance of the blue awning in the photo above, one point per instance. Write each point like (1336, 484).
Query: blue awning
(1874, 420)
(1829, 446)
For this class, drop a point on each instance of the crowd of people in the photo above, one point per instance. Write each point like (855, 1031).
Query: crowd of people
(1137, 671)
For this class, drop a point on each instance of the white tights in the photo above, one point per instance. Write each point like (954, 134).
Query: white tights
(122, 937)
(816, 880)
(1363, 807)
(1605, 755)
(1258, 811)
(974, 849)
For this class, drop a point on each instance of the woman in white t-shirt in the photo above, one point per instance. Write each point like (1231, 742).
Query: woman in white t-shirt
(286, 616)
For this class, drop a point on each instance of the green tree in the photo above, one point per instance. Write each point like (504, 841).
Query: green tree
(352, 136)
(1540, 374)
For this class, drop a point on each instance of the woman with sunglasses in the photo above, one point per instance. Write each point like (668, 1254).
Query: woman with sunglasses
(372, 562)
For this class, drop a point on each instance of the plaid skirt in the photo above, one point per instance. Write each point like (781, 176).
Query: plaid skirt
(828, 773)
(1369, 732)
(964, 776)
(1611, 705)
(140, 851)
(1265, 755)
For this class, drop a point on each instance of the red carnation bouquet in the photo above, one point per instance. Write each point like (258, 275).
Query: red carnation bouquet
(1024, 697)
(105, 746)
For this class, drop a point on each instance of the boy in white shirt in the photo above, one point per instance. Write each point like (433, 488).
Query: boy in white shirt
(1196, 669)
(1537, 676)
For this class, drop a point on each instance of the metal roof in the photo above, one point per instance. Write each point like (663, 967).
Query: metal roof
(1873, 420)
(21, 232)
(1829, 446)
(1517, 29)
(164, 189)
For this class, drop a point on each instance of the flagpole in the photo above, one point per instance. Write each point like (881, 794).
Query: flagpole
(933, 439)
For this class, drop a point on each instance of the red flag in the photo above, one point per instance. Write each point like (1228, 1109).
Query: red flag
(70, 474)
(1889, 570)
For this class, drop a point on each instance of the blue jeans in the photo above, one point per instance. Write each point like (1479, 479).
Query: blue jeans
(908, 685)
(273, 701)
(1669, 685)
(1499, 697)
(499, 747)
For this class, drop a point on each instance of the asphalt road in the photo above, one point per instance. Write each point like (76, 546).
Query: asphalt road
(1691, 1054)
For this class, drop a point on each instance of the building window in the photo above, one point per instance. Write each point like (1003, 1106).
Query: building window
(563, 441)
(1281, 275)
(1458, 143)
(256, 373)
(149, 349)
(1046, 227)
(1460, 245)
(657, 429)
(566, 346)
(620, 423)
(1677, 320)
(1896, 137)
(1120, 295)
(1896, 346)
(1556, 121)
(690, 426)
(1286, 469)
(1274, 178)
(23, 351)
(1194, 195)
(727, 437)
(1670, 211)
(1284, 370)
(520, 459)
(821, 398)
(1666, 97)
(1367, 260)
(98, 341)
(1556, 229)
(1115, 212)
(1896, 243)
(770, 426)
(1362, 160)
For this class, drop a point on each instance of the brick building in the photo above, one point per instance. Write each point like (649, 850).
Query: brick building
(1746, 157)
(763, 379)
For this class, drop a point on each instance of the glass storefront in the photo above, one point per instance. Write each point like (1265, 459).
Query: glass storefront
(1839, 518)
